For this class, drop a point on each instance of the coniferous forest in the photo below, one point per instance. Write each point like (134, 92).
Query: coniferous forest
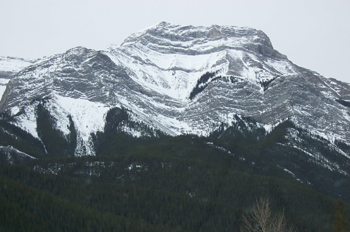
(161, 183)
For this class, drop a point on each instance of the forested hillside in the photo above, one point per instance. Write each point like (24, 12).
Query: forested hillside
(184, 183)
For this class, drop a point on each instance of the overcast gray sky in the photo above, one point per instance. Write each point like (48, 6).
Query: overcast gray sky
(314, 34)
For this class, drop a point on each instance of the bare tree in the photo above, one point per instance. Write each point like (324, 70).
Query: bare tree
(262, 220)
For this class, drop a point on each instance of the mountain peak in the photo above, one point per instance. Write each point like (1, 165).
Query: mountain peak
(195, 40)
(188, 32)
(164, 24)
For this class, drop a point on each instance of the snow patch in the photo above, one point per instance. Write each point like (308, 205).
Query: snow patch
(220, 148)
(27, 120)
(270, 127)
(2, 90)
(282, 66)
(10, 148)
(88, 118)
(3, 83)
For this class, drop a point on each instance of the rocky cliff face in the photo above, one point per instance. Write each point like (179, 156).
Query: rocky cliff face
(179, 80)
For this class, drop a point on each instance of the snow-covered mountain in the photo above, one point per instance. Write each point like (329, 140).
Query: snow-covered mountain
(182, 80)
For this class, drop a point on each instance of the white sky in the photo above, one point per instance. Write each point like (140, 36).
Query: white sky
(314, 34)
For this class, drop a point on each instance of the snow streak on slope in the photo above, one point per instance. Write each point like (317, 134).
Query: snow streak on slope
(10, 151)
(27, 119)
(175, 81)
(88, 118)
(3, 83)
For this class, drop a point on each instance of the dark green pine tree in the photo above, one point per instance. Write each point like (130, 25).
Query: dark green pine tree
(340, 222)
